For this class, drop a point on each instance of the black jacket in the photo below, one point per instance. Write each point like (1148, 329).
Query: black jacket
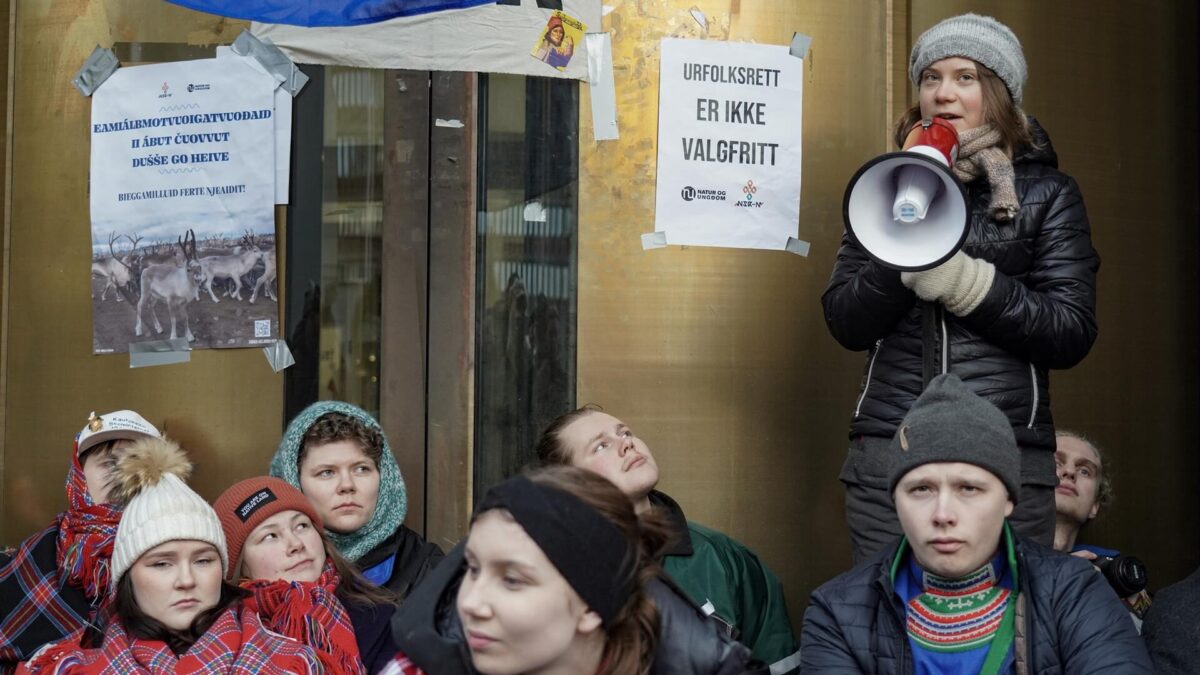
(1068, 620)
(414, 557)
(1172, 629)
(426, 629)
(372, 632)
(1039, 314)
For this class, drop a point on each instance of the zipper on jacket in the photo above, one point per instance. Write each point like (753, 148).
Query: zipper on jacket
(1033, 411)
(945, 341)
(867, 384)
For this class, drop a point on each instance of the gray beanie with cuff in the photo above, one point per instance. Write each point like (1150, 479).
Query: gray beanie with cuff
(979, 38)
(950, 423)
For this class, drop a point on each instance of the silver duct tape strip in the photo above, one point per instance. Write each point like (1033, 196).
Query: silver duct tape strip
(602, 86)
(95, 70)
(279, 356)
(273, 59)
(799, 46)
(654, 240)
(159, 353)
(798, 247)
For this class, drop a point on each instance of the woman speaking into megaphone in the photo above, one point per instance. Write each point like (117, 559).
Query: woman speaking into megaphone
(1017, 300)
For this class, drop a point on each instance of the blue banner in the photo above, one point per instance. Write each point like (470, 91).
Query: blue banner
(324, 12)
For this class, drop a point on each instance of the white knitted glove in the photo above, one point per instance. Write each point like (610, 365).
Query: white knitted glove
(960, 283)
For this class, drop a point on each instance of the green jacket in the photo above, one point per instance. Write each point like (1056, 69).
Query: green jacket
(721, 574)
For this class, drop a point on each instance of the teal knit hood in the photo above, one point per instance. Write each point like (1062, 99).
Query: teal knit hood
(392, 505)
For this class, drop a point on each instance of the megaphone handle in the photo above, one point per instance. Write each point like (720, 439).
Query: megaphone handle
(930, 363)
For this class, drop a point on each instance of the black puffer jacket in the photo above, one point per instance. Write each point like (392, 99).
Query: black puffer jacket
(1068, 620)
(427, 630)
(1039, 314)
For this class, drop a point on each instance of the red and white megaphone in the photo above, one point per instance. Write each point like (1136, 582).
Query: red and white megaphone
(907, 210)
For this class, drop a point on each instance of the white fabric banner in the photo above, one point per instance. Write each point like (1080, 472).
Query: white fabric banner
(729, 120)
(543, 38)
(179, 148)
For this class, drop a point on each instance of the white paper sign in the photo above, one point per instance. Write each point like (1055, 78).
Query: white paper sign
(283, 127)
(729, 120)
(178, 148)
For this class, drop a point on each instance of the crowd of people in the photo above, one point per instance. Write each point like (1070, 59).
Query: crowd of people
(963, 501)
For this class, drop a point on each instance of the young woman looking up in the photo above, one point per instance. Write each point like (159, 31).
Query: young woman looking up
(303, 588)
(711, 567)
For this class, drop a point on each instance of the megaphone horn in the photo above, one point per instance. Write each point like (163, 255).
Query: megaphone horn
(907, 210)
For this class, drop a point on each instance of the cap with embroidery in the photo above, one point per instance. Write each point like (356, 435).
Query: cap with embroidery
(116, 425)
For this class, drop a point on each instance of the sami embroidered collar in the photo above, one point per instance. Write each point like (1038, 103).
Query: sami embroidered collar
(957, 614)
(960, 625)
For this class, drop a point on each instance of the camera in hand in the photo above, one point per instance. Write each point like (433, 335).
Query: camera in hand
(1125, 573)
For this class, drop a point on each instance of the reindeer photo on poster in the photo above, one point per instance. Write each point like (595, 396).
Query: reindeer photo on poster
(182, 206)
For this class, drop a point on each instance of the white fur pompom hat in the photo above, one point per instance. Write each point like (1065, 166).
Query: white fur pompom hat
(158, 505)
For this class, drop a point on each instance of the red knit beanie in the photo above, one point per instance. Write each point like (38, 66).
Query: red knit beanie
(245, 505)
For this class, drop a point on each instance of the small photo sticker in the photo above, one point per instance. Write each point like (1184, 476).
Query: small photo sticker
(558, 40)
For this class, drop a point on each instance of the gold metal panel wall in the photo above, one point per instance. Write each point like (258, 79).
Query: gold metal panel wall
(225, 406)
(720, 358)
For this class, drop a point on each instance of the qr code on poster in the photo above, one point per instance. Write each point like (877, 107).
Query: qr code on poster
(262, 328)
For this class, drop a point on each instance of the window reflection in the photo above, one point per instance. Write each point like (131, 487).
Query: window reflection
(351, 237)
(526, 253)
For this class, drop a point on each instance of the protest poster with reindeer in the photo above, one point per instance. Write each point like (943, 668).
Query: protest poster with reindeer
(182, 206)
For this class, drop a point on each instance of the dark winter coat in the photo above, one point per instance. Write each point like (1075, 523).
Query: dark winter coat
(373, 633)
(1172, 629)
(1040, 312)
(412, 558)
(711, 568)
(427, 630)
(1068, 620)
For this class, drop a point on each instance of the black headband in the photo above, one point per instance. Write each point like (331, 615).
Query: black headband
(588, 550)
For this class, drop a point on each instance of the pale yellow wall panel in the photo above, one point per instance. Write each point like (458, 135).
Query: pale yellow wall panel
(225, 406)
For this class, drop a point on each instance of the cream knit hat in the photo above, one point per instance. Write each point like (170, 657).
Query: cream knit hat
(158, 505)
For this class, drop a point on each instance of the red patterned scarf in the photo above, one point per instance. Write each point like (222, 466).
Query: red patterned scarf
(236, 644)
(311, 614)
(85, 537)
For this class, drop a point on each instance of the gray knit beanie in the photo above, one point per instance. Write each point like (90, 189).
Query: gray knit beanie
(979, 38)
(949, 423)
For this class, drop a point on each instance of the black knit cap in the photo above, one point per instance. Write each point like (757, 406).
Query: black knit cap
(588, 550)
(950, 423)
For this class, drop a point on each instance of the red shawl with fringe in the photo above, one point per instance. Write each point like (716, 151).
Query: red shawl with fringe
(235, 644)
(85, 537)
(312, 614)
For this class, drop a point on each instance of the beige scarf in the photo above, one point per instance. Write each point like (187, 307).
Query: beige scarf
(980, 154)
